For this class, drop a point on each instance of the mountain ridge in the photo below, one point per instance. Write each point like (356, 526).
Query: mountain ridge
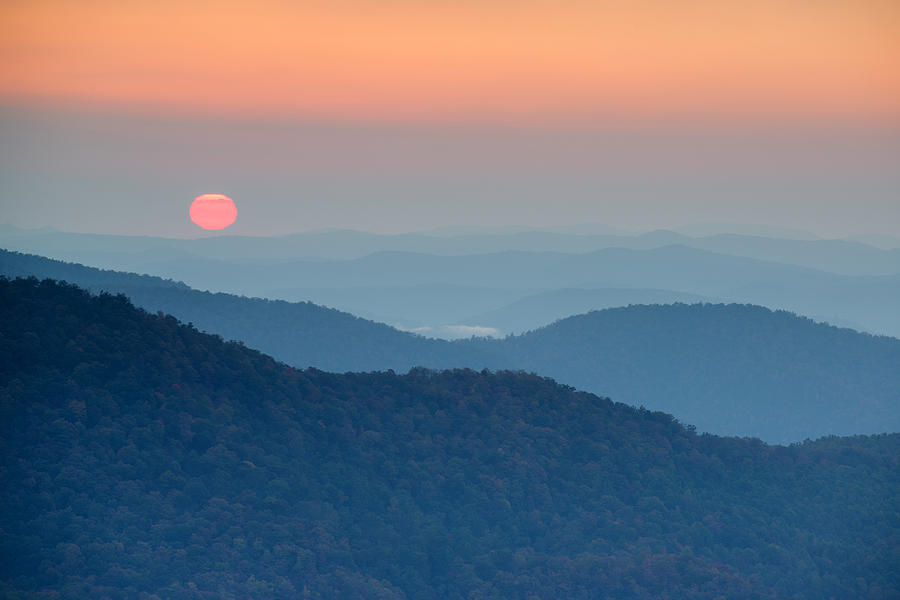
(632, 354)
(141, 455)
(847, 256)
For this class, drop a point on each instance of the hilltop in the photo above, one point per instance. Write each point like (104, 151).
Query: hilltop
(728, 368)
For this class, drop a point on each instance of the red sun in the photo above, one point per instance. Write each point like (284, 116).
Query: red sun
(213, 211)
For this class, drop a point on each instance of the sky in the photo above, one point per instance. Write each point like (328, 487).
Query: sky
(399, 115)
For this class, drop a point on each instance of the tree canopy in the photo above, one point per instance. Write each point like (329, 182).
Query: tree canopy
(142, 458)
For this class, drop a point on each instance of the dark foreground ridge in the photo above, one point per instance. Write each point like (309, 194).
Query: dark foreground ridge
(144, 459)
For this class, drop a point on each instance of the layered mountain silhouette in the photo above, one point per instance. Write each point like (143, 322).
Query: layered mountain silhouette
(843, 256)
(729, 369)
(538, 310)
(140, 455)
(864, 299)
(300, 333)
(844, 282)
(420, 305)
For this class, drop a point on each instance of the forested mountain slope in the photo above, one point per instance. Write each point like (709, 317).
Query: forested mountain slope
(141, 457)
(728, 369)
(300, 333)
(16, 264)
(732, 369)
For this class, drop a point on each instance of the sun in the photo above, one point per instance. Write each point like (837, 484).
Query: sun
(213, 211)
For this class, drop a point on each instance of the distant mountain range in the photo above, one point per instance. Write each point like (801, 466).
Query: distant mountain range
(141, 456)
(538, 310)
(417, 305)
(868, 301)
(448, 281)
(842, 256)
(732, 369)
(519, 310)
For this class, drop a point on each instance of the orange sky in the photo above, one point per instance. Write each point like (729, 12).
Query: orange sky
(434, 60)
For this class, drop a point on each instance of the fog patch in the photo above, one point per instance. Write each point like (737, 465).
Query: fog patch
(455, 332)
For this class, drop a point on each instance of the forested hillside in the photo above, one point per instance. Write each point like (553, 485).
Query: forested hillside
(17, 264)
(728, 369)
(144, 459)
(299, 333)
(732, 369)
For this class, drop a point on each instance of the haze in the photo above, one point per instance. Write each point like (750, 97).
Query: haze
(403, 117)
